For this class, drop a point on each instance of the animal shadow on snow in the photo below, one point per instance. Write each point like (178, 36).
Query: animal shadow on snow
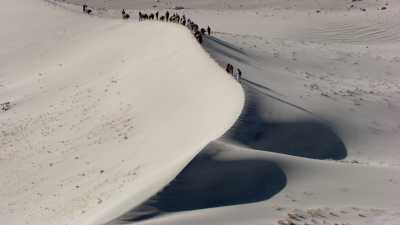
(208, 182)
(305, 138)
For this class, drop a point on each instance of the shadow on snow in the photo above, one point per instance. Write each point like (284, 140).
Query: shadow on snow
(310, 138)
(210, 182)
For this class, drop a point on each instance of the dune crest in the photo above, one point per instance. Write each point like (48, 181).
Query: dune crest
(103, 113)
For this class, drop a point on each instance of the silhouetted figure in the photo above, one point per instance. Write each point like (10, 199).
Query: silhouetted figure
(203, 31)
(229, 69)
(157, 15)
(140, 16)
(151, 17)
(208, 30)
(198, 37)
(195, 28)
(84, 7)
(126, 16)
(167, 16)
(162, 18)
(239, 74)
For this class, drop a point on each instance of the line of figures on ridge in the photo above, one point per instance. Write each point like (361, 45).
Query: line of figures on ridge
(176, 18)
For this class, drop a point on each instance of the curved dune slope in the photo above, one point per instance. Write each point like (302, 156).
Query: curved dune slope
(103, 113)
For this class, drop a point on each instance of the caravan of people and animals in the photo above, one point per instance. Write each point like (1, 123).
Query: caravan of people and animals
(198, 32)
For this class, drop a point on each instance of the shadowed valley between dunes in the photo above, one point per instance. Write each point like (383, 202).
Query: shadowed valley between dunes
(209, 182)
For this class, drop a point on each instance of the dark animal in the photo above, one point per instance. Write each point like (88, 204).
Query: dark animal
(198, 37)
(89, 11)
(125, 16)
(229, 69)
(194, 27)
(162, 18)
(151, 17)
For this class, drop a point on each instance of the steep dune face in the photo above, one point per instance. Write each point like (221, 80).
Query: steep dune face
(319, 85)
(317, 141)
(103, 113)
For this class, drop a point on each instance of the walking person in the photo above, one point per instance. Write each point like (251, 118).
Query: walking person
(84, 7)
(239, 75)
(208, 30)
(167, 16)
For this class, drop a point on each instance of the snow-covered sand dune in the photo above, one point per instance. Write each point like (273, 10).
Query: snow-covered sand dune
(321, 82)
(310, 191)
(104, 113)
(316, 143)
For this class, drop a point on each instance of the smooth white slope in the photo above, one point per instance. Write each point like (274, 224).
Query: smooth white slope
(323, 192)
(104, 113)
(304, 57)
(342, 66)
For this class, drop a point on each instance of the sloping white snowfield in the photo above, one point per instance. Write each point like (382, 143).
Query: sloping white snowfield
(103, 113)
(318, 140)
